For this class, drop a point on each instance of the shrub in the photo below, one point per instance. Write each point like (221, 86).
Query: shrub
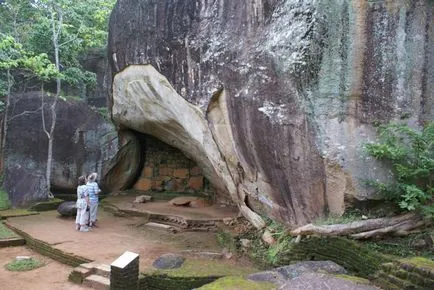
(410, 153)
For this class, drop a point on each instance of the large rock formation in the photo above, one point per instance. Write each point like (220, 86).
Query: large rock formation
(84, 142)
(274, 98)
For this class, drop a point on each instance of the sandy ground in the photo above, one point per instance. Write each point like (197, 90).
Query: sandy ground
(53, 275)
(103, 244)
(112, 237)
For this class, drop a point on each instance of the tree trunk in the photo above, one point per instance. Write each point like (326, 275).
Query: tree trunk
(56, 26)
(399, 225)
(49, 164)
(5, 120)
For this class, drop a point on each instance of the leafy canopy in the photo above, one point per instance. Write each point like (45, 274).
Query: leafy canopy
(82, 25)
(410, 153)
(14, 57)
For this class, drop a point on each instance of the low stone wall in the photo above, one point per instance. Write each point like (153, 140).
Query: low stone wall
(168, 169)
(416, 273)
(47, 250)
(12, 242)
(355, 258)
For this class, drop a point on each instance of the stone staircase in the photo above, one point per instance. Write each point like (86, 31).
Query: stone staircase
(409, 274)
(93, 275)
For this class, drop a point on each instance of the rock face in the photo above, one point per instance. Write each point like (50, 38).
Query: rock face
(274, 98)
(84, 142)
(123, 168)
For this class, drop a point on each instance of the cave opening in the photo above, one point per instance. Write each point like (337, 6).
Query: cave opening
(166, 171)
(180, 194)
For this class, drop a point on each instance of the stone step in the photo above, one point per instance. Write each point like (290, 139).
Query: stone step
(97, 268)
(97, 282)
(103, 270)
(79, 273)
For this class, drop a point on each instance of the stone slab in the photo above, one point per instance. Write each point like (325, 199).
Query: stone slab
(124, 259)
(97, 282)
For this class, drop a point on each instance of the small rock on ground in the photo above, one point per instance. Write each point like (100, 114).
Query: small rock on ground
(182, 200)
(143, 199)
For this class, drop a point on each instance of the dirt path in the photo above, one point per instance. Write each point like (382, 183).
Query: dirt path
(52, 276)
(113, 237)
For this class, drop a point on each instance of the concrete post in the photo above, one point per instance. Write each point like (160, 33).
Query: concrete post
(125, 272)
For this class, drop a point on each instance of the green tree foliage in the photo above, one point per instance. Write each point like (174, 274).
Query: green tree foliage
(59, 31)
(410, 153)
(13, 58)
(81, 25)
(17, 18)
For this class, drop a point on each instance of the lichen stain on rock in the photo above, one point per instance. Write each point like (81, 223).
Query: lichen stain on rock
(302, 81)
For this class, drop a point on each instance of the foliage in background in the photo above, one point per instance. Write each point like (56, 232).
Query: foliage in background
(4, 200)
(15, 61)
(410, 154)
(82, 25)
(262, 254)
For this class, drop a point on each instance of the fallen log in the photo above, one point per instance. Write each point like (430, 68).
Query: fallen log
(366, 229)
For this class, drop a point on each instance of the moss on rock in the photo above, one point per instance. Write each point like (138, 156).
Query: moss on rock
(204, 268)
(237, 283)
(51, 204)
(342, 251)
(193, 274)
(354, 279)
(419, 262)
(16, 212)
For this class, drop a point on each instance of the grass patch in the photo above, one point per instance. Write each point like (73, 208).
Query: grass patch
(4, 200)
(6, 233)
(203, 268)
(16, 212)
(237, 283)
(24, 265)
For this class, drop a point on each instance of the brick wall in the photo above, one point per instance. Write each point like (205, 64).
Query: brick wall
(168, 169)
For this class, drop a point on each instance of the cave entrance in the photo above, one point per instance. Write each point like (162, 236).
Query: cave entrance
(167, 172)
(182, 197)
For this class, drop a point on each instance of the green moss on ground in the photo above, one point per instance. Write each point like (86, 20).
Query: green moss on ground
(16, 212)
(6, 233)
(237, 283)
(419, 262)
(354, 279)
(204, 268)
(24, 265)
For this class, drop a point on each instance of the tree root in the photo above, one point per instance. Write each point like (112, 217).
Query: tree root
(367, 229)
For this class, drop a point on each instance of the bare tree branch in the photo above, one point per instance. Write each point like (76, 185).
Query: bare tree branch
(24, 113)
